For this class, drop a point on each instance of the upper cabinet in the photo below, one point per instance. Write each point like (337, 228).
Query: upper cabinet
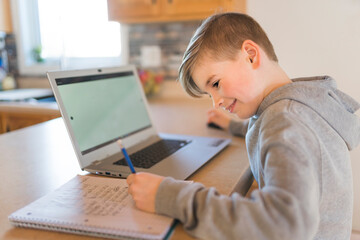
(5, 17)
(143, 11)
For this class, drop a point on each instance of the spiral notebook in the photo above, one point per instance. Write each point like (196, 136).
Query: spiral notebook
(94, 206)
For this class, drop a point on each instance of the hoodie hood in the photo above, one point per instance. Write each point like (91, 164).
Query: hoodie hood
(322, 95)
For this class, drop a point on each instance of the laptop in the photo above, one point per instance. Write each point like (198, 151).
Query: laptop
(100, 106)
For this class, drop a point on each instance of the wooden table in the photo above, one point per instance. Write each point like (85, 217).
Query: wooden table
(38, 159)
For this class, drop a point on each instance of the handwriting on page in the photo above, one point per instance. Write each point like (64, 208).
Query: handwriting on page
(105, 200)
(93, 196)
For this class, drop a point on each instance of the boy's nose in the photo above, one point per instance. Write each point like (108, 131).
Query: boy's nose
(217, 101)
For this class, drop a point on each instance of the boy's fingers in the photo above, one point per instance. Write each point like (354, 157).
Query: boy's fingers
(129, 190)
(211, 112)
(130, 179)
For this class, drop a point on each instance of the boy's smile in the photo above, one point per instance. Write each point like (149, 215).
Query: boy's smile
(231, 107)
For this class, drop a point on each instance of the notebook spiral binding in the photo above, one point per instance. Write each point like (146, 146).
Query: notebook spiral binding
(78, 229)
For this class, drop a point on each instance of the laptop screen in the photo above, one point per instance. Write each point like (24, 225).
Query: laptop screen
(103, 108)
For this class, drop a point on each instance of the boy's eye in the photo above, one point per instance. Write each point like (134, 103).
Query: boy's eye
(216, 84)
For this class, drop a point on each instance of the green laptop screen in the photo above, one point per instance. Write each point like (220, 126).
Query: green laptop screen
(103, 108)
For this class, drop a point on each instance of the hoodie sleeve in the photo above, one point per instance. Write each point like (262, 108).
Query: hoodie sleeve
(286, 208)
(238, 128)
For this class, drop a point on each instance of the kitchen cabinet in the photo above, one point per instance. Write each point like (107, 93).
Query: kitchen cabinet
(146, 11)
(5, 17)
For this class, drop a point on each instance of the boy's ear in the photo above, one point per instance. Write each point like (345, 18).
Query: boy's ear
(252, 53)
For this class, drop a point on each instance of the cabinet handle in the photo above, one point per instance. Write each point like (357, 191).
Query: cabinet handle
(170, 1)
(153, 1)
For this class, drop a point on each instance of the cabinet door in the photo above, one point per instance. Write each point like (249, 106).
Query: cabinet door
(143, 11)
(126, 10)
(199, 8)
(5, 18)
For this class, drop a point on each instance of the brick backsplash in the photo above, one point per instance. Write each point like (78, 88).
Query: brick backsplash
(172, 38)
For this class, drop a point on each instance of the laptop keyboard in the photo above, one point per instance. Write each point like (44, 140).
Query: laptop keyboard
(154, 153)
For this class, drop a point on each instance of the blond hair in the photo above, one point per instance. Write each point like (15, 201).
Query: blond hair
(221, 36)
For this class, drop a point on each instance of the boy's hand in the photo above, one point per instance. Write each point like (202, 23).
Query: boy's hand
(219, 118)
(143, 188)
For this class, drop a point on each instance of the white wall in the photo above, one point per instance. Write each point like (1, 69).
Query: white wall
(316, 37)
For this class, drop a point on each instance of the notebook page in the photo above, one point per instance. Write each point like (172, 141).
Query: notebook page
(99, 204)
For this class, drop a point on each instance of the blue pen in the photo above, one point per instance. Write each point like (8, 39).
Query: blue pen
(127, 158)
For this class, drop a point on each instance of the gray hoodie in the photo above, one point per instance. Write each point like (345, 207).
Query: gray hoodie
(298, 145)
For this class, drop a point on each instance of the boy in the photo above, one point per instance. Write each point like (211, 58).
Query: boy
(298, 139)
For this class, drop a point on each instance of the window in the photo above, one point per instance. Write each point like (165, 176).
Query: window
(66, 34)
